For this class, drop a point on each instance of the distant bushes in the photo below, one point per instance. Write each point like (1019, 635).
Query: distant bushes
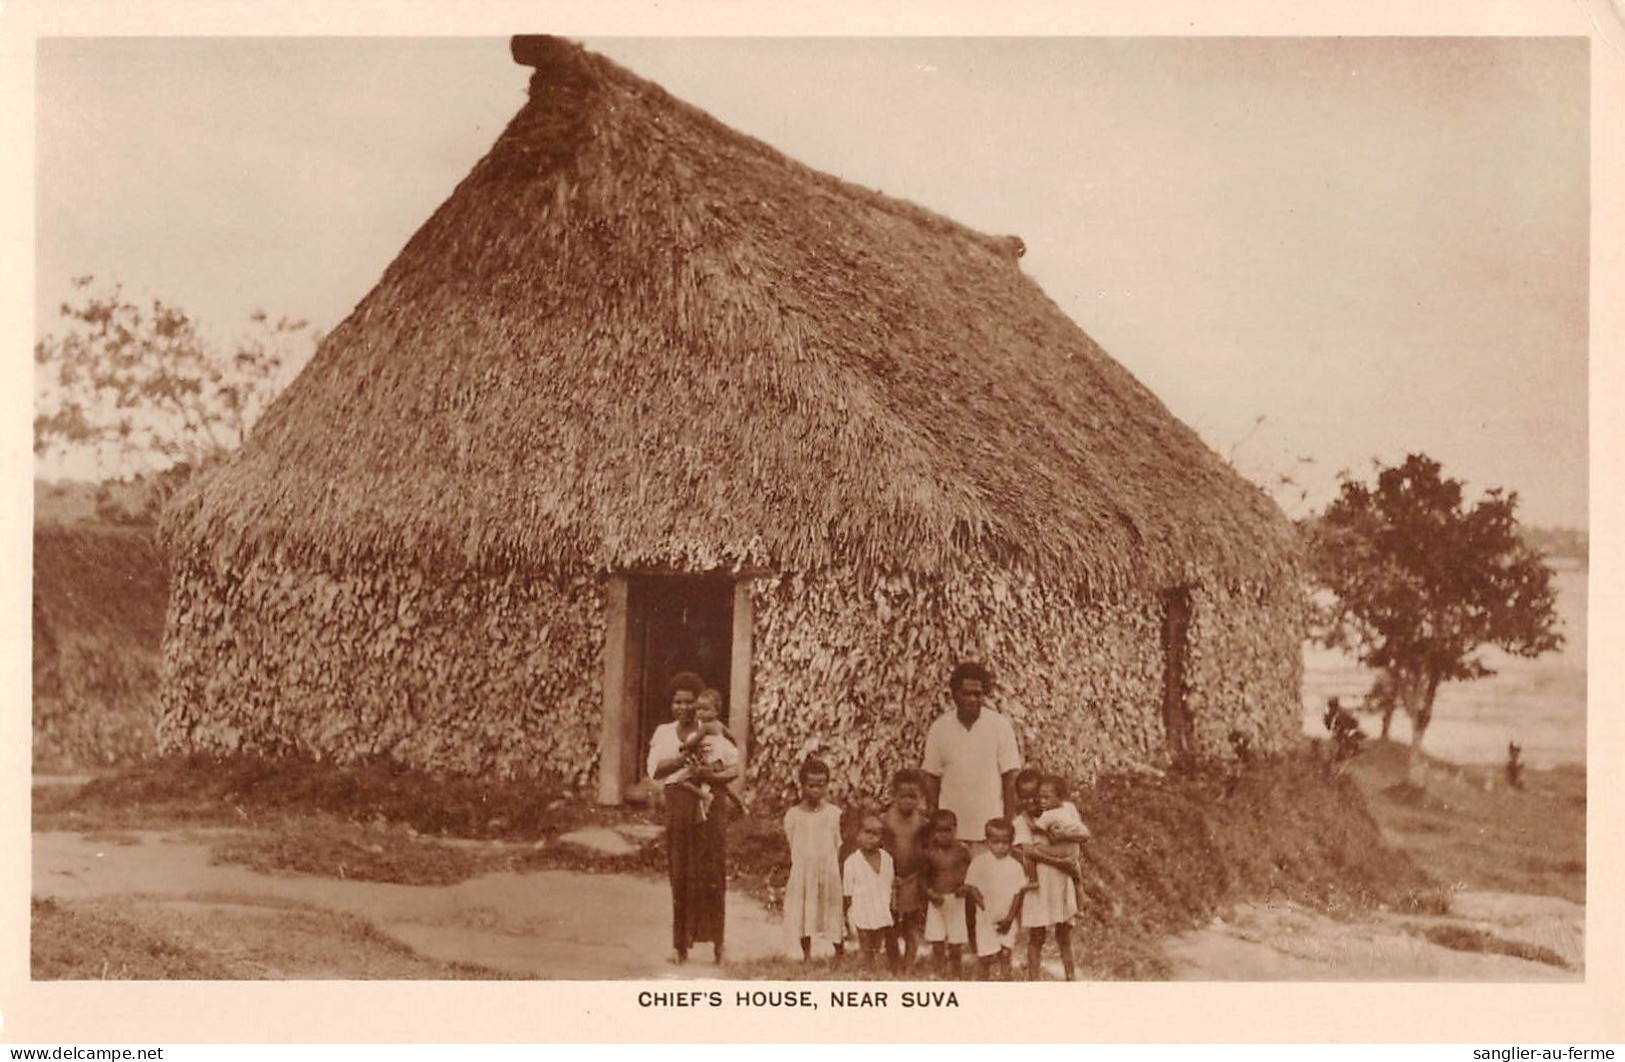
(98, 618)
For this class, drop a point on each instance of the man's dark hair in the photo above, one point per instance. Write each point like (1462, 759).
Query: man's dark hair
(970, 669)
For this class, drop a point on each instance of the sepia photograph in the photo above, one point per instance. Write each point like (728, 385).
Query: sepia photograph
(855, 517)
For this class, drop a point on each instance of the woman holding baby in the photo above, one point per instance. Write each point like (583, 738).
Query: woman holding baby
(693, 759)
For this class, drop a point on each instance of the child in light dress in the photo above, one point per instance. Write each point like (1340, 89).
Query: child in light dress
(1061, 826)
(866, 880)
(946, 861)
(1053, 901)
(710, 747)
(997, 883)
(813, 901)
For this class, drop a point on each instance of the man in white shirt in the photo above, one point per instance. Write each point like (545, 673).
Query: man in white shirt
(971, 758)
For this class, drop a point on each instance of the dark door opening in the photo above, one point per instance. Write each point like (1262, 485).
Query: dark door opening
(676, 623)
(1176, 625)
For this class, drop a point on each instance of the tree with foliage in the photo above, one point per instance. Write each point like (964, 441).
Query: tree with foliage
(1420, 582)
(139, 389)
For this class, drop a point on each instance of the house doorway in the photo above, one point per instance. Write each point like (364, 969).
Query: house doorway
(1176, 716)
(676, 623)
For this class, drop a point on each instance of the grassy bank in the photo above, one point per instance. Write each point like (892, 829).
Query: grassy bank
(219, 939)
(1469, 829)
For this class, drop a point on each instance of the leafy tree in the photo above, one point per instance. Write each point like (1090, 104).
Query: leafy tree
(138, 388)
(1420, 582)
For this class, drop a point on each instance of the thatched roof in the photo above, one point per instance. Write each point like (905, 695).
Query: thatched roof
(633, 336)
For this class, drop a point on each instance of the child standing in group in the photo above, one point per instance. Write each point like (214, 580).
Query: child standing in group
(907, 832)
(866, 879)
(812, 897)
(1060, 827)
(997, 884)
(946, 861)
(1053, 901)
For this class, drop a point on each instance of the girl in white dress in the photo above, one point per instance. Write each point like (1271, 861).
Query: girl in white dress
(1054, 900)
(813, 908)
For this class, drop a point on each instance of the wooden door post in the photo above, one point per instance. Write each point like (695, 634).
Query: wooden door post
(739, 670)
(613, 750)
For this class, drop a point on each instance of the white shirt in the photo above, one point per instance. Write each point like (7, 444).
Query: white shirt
(971, 763)
(870, 890)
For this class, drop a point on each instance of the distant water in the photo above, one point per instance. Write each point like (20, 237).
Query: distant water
(1540, 703)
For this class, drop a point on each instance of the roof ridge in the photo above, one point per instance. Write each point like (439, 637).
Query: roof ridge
(558, 61)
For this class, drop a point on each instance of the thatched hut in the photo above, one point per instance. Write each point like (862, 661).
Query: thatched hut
(646, 394)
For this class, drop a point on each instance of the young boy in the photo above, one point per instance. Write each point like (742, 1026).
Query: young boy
(866, 882)
(996, 884)
(946, 861)
(907, 832)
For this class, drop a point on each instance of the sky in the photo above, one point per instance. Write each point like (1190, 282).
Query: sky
(1318, 252)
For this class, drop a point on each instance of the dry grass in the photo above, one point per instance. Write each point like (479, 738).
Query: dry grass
(236, 790)
(219, 939)
(1464, 938)
(1469, 830)
(84, 943)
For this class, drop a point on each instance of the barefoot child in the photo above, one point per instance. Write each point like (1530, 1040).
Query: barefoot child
(907, 832)
(812, 897)
(997, 883)
(866, 879)
(946, 861)
(1053, 900)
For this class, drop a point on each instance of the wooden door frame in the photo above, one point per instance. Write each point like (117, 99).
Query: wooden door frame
(618, 755)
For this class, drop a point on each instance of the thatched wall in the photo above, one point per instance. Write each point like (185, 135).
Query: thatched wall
(502, 674)
(862, 669)
(98, 613)
(477, 674)
(1244, 670)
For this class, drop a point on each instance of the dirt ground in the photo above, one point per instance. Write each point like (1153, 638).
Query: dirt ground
(234, 922)
(538, 924)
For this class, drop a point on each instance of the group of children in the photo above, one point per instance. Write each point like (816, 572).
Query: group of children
(910, 878)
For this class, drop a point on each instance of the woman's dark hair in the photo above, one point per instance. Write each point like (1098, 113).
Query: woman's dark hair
(1028, 776)
(685, 680)
(811, 766)
(970, 669)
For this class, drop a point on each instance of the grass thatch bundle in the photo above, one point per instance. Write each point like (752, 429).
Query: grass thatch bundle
(633, 336)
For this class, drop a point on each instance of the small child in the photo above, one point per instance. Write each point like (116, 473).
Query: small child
(812, 896)
(1061, 826)
(866, 879)
(946, 861)
(1052, 902)
(709, 748)
(907, 832)
(997, 883)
